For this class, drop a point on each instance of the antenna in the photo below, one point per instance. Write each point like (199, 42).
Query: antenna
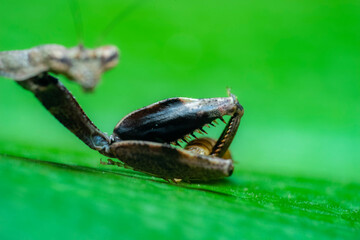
(120, 16)
(76, 15)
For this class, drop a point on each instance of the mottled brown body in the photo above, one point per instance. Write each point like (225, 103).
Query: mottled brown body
(79, 64)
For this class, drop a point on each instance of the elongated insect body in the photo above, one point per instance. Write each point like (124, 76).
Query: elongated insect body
(79, 64)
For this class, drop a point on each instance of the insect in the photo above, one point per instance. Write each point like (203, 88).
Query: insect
(147, 140)
(79, 64)
(142, 139)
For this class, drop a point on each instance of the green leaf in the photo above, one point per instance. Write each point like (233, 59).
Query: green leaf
(47, 198)
(294, 67)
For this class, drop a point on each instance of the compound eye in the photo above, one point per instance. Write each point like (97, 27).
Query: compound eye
(109, 59)
(108, 56)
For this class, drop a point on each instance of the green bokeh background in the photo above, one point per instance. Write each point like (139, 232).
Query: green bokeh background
(295, 67)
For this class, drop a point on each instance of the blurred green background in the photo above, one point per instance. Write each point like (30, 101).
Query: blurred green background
(295, 67)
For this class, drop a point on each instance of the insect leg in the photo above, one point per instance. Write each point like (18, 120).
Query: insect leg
(165, 161)
(63, 106)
